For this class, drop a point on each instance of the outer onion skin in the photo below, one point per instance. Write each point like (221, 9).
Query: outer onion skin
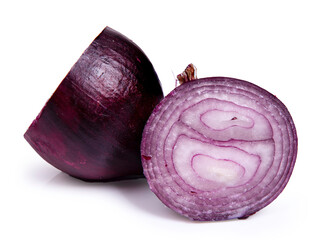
(218, 148)
(91, 127)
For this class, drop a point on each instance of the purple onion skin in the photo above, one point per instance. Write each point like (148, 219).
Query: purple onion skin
(218, 148)
(91, 127)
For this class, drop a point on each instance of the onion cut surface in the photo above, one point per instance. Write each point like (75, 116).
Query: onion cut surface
(91, 127)
(218, 148)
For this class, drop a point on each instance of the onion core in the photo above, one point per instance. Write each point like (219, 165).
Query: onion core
(218, 148)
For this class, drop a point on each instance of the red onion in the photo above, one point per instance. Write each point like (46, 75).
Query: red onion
(218, 148)
(91, 127)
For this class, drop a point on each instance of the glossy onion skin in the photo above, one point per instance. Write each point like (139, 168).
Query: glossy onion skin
(92, 125)
(218, 148)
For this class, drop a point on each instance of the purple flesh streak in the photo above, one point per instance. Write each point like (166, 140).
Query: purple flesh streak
(91, 127)
(218, 148)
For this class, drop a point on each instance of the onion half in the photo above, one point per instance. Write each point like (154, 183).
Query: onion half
(218, 148)
(91, 127)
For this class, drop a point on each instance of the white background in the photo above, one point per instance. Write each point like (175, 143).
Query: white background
(278, 45)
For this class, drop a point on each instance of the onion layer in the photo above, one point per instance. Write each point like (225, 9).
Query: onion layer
(91, 127)
(218, 148)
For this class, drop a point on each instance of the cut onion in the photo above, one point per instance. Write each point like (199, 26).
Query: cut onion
(91, 127)
(218, 148)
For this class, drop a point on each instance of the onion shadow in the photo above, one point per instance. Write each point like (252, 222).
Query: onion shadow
(135, 191)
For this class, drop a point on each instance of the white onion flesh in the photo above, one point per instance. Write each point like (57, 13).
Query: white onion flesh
(218, 148)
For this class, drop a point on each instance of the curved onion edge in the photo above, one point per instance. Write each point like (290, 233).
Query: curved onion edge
(91, 127)
(181, 194)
